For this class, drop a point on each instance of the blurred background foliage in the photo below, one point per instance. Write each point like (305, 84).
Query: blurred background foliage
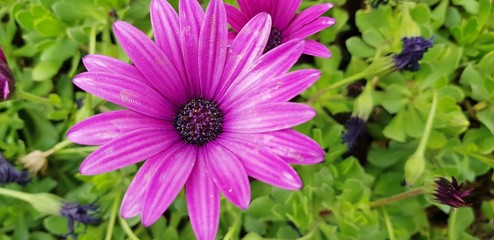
(44, 41)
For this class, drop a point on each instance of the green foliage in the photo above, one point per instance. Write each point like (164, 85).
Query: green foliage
(44, 41)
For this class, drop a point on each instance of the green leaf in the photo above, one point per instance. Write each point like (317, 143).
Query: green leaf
(45, 70)
(358, 48)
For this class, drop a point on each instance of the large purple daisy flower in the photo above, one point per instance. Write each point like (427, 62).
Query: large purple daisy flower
(287, 25)
(204, 114)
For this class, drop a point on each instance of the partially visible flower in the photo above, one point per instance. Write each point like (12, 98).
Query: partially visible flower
(204, 113)
(10, 174)
(412, 52)
(84, 214)
(287, 25)
(450, 192)
(7, 83)
(35, 161)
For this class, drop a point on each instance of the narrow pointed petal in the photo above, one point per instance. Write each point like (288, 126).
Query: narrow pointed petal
(245, 49)
(285, 11)
(101, 63)
(203, 202)
(317, 49)
(290, 145)
(166, 30)
(267, 117)
(272, 64)
(236, 18)
(250, 7)
(307, 16)
(228, 173)
(125, 91)
(100, 129)
(280, 89)
(133, 199)
(128, 149)
(152, 62)
(170, 176)
(213, 43)
(311, 28)
(191, 17)
(262, 164)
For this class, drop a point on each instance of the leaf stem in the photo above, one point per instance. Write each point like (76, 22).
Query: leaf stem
(21, 94)
(428, 126)
(15, 194)
(126, 228)
(59, 146)
(111, 221)
(397, 197)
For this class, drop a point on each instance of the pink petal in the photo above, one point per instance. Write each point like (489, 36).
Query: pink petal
(203, 202)
(170, 176)
(280, 89)
(290, 145)
(213, 43)
(262, 164)
(285, 11)
(311, 28)
(128, 149)
(236, 18)
(125, 91)
(272, 64)
(306, 16)
(267, 117)
(250, 7)
(166, 31)
(101, 63)
(133, 199)
(227, 173)
(315, 48)
(245, 49)
(151, 62)
(100, 129)
(190, 17)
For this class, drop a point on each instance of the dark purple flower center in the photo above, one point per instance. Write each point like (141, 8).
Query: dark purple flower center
(199, 121)
(274, 40)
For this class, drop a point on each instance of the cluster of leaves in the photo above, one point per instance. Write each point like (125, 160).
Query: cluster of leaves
(44, 41)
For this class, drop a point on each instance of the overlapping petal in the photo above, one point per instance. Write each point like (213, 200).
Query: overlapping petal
(104, 127)
(128, 149)
(316, 48)
(311, 28)
(236, 18)
(227, 172)
(101, 63)
(267, 117)
(170, 176)
(284, 12)
(125, 91)
(306, 16)
(213, 43)
(203, 201)
(262, 164)
(153, 63)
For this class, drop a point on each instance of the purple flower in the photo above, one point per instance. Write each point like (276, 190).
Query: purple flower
(7, 82)
(79, 213)
(287, 25)
(10, 174)
(205, 114)
(412, 52)
(355, 128)
(450, 193)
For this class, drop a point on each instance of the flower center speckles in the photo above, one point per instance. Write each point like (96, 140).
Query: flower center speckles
(274, 40)
(199, 121)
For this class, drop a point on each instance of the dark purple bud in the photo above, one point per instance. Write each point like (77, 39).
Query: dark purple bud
(412, 52)
(451, 193)
(355, 128)
(84, 214)
(10, 174)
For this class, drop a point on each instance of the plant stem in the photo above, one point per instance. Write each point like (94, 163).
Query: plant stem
(31, 97)
(76, 150)
(338, 84)
(127, 229)
(15, 194)
(113, 216)
(397, 197)
(59, 146)
(428, 126)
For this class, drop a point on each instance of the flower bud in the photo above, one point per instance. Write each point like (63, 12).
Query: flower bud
(414, 168)
(35, 161)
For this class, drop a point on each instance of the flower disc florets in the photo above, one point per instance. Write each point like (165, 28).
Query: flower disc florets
(199, 121)
(274, 40)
